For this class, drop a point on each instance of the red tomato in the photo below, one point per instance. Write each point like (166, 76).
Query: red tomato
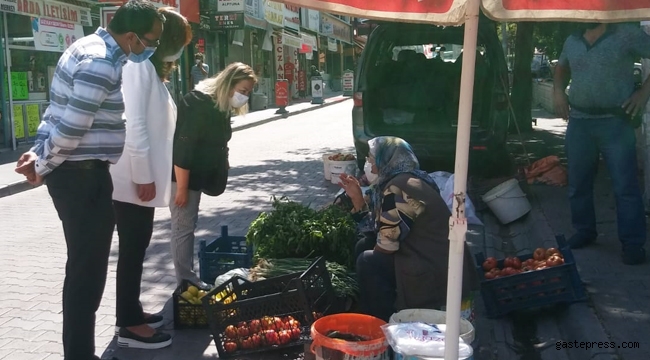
(271, 337)
(284, 337)
(256, 340)
(508, 271)
(231, 332)
(489, 275)
(539, 254)
(243, 331)
(230, 347)
(554, 260)
(255, 326)
(268, 323)
(516, 263)
(489, 264)
(552, 251)
(277, 322)
(508, 262)
(295, 333)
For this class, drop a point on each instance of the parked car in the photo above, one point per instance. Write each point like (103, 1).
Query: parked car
(398, 91)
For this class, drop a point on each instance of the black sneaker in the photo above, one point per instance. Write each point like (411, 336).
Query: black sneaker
(634, 256)
(577, 241)
(155, 321)
(128, 339)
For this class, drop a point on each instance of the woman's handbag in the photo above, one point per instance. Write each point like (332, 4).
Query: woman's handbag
(216, 179)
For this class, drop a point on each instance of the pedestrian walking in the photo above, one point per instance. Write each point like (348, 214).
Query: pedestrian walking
(141, 178)
(602, 108)
(81, 133)
(201, 165)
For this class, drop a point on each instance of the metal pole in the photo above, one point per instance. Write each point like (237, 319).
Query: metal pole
(457, 221)
(645, 25)
(11, 98)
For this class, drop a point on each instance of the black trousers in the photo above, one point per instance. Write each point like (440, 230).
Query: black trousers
(134, 227)
(377, 284)
(82, 198)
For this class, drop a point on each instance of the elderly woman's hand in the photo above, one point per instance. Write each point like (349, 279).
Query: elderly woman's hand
(353, 189)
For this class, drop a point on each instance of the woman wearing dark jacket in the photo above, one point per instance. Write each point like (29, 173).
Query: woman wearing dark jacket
(407, 266)
(201, 155)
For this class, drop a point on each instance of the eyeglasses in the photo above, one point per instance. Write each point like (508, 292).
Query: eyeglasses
(152, 43)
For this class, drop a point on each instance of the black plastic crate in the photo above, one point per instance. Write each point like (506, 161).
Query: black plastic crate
(222, 255)
(533, 289)
(186, 315)
(303, 296)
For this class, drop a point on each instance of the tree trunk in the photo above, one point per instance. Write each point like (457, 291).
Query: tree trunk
(522, 84)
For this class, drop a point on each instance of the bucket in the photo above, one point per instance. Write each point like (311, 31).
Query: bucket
(437, 317)
(326, 348)
(342, 167)
(326, 166)
(507, 201)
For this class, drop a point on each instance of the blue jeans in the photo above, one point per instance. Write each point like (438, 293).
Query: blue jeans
(616, 141)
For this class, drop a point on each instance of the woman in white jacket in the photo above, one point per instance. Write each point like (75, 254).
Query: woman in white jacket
(141, 178)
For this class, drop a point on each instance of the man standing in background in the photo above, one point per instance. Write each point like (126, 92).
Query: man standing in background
(200, 70)
(603, 107)
(81, 133)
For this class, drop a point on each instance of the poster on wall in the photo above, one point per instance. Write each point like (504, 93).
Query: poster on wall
(19, 122)
(33, 118)
(54, 35)
(19, 85)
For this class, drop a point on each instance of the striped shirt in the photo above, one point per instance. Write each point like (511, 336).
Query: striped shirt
(85, 118)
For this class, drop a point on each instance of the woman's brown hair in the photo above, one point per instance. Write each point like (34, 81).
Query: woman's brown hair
(176, 34)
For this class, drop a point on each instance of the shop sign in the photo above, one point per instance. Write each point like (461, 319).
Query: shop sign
(302, 80)
(227, 6)
(231, 21)
(48, 9)
(281, 93)
(311, 19)
(289, 67)
(54, 35)
(279, 56)
(291, 41)
(255, 8)
(331, 45)
(335, 28)
(291, 17)
(274, 13)
(348, 82)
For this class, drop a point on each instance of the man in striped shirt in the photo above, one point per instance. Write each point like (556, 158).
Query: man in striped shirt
(82, 132)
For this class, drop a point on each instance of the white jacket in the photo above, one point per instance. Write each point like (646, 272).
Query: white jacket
(150, 124)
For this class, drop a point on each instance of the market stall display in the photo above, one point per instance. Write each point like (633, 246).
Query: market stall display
(546, 277)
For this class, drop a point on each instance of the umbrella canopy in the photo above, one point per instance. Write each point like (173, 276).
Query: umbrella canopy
(573, 10)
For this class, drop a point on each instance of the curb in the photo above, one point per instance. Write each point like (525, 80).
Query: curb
(15, 188)
(20, 186)
(279, 117)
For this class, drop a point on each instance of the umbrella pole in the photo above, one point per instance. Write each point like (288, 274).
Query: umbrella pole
(457, 221)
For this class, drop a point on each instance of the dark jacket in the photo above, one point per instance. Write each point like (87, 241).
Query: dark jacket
(201, 142)
(423, 256)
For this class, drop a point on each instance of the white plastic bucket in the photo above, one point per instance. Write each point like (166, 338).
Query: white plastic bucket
(341, 167)
(507, 201)
(326, 166)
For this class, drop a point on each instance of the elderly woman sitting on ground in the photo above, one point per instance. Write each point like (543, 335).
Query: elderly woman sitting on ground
(406, 267)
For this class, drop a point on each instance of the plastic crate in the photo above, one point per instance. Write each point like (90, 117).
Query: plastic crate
(222, 255)
(186, 315)
(300, 295)
(533, 289)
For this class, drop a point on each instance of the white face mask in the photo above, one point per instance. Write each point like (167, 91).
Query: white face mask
(238, 100)
(197, 61)
(367, 169)
(172, 58)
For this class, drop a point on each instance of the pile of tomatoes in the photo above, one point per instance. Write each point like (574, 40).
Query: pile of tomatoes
(341, 157)
(264, 332)
(542, 259)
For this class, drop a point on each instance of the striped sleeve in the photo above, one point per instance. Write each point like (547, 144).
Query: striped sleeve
(398, 213)
(90, 80)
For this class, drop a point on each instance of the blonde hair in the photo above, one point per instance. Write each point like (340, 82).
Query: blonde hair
(219, 86)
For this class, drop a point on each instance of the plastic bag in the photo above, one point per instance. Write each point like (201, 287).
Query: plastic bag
(243, 272)
(445, 182)
(420, 339)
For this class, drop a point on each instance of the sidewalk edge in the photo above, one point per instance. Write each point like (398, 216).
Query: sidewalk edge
(15, 188)
(285, 116)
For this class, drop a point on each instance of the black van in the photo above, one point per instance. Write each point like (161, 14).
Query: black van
(407, 84)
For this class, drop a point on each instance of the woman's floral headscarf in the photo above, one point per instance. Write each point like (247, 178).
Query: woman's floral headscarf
(393, 156)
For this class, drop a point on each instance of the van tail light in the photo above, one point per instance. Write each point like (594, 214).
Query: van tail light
(502, 102)
(358, 99)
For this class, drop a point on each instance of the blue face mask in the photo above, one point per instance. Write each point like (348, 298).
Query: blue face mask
(143, 56)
